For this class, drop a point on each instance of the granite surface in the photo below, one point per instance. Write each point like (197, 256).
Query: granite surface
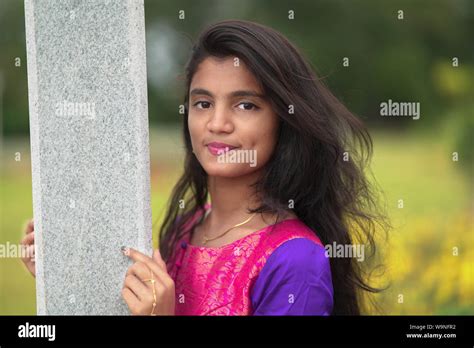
(89, 148)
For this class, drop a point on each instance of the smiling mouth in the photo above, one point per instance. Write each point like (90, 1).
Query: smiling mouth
(217, 149)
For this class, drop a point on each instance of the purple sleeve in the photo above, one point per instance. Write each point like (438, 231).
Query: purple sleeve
(295, 280)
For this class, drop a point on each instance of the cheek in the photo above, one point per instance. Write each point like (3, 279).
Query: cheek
(264, 138)
(195, 130)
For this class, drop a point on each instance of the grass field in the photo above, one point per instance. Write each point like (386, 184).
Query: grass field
(428, 256)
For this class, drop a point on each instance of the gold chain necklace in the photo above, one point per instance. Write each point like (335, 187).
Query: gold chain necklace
(206, 239)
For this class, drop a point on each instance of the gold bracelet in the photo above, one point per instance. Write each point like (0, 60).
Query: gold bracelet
(152, 280)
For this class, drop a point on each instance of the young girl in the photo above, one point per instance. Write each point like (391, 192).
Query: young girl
(274, 170)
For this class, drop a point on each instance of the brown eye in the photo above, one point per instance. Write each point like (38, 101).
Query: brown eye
(202, 105)
(247, 106)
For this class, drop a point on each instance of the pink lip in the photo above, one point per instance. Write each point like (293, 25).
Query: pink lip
(216, 148)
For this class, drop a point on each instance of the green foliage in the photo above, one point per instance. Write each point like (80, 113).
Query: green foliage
(465, 142)
(389, 58)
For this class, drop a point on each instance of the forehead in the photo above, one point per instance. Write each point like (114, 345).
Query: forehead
(220, 76)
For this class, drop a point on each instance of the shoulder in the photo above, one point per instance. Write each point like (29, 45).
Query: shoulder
(295, 280)
(298, 259)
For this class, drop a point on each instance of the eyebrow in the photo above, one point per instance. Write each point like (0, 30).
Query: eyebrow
(240, 93)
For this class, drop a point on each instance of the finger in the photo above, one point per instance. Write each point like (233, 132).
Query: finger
(31, 252)
(162, 272)
(157, 258)
(130, 298)
(140, 270)
(162, 276)
(28, 239)
(137, 256)
(159, 274)
(30, 226)
(139, 289)
(27, 252)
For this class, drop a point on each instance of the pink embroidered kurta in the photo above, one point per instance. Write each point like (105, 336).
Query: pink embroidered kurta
(219, 280)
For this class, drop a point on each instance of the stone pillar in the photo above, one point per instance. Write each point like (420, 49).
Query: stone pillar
(89, 148)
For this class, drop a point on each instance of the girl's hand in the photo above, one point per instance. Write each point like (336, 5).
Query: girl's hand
(148, 289)
(28, 242)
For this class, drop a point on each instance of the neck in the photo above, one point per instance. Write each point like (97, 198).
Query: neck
(231, 198)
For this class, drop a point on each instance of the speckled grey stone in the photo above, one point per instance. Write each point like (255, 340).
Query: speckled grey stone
(90, 151)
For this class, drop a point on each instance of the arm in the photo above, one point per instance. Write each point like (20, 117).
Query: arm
(296, 280)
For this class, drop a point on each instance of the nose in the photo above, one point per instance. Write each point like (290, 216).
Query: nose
(220, 121)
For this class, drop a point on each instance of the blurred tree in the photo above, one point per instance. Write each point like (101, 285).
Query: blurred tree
(389, 58)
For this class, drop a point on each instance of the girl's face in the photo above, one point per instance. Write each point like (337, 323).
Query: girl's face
(232, 126)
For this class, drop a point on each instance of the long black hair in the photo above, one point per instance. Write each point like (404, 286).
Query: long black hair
(318, 165)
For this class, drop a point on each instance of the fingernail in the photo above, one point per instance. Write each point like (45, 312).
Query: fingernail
(125, 250)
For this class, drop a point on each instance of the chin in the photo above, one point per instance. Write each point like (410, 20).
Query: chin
(228, 170)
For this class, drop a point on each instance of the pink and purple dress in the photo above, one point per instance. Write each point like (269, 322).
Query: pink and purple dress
(274, 271)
